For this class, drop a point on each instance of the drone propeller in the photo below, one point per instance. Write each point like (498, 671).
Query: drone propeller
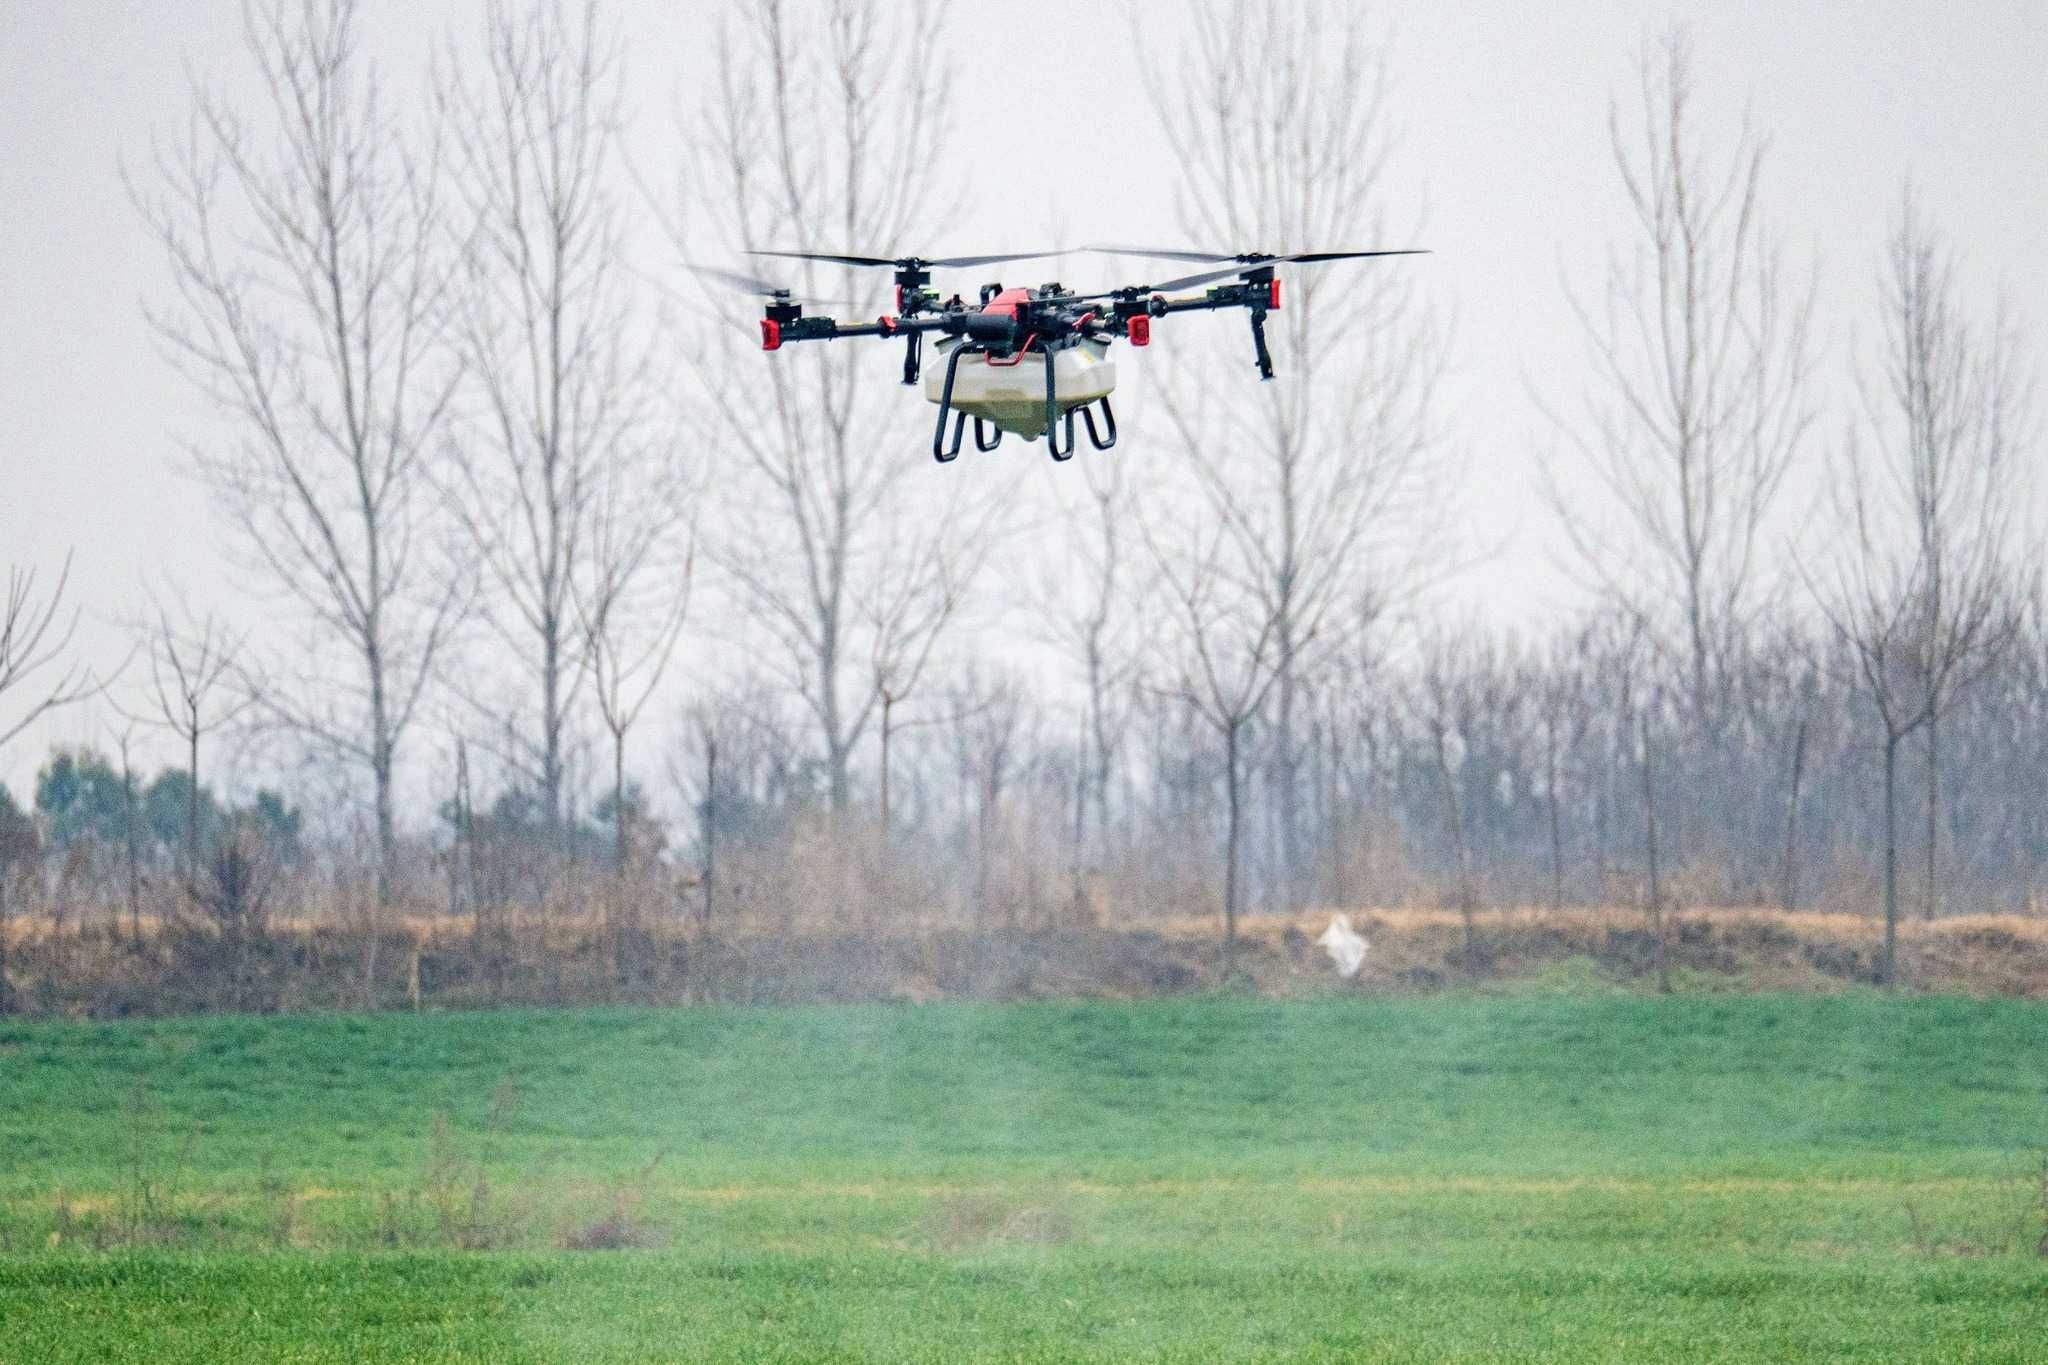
(908, 262)
(1164, 286)
(750, 284)
(1251, 260)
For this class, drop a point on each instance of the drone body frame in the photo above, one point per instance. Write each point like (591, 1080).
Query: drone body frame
(1069, 334)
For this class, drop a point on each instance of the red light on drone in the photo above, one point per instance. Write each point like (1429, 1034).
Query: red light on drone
(1273, 294)
(771, 334)
(1141, 331)
(899, 299)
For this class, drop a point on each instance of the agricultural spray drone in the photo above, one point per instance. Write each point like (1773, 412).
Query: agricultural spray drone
(1066, 335)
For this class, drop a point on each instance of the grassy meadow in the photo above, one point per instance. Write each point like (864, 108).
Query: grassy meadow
(1463, 1177)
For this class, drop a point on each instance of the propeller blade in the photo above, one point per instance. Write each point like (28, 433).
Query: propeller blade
(1161, 253)
(1164, 286)
(1190, 281)
(733, 279)
(826, 256)
(750, 284)
(1311, 257)
(941, 262)
(951, 262)
(1251, 260)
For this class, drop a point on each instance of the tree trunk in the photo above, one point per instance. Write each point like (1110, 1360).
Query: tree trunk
(1099, 764)
(192, 808)
(710, 822)
(622, 835)
(1232, 784)
(551, 736)
(1650, 842)
(616, 911)
(1556, 819)
(134, 839)
(373, 922)
(1791, 896)
(836, 756)
(1082, 782)
(985, 816)
(1287, 768)
(888, 709)
(1933, 813)
(381, 759)
(6, 931)
(465, 856)
(1334, 822)
(1466, 900)
(1888, 971)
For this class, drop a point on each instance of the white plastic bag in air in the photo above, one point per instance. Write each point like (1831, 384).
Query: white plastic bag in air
(1346, 945)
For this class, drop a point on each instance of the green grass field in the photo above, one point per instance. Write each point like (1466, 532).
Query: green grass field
(1530, 1177)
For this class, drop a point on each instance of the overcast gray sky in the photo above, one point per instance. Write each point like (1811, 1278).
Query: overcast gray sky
(1503, 106)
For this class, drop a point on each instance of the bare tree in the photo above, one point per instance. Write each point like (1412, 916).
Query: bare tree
(21, 847)
(309, 292)
(632, 615)
(195, 691)
(1566, 716)
(988, 719)
(1088, 618)
(822, 133)
(554, 350)
(1929, 590)
(905, 620)
(131, 838)
(708, 728)
(1286, 143)
(1868, 596)
(1955, 422)
(1221, 660)
(1361, 707)
(1698, 405)
(34, 636)
(1653, 893)
(728, 739)
(1449, 695)
(1801, 668)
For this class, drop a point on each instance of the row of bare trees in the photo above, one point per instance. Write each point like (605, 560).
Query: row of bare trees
(457, 455)
(447, 440)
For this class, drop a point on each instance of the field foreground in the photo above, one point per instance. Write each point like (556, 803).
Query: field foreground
(1455, 1177)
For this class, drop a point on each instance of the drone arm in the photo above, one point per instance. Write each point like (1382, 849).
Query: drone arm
(1259, 297)
(788, 329)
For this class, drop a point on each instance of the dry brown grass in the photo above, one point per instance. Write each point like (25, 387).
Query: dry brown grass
(68, 965)
(1586, 921)
(973, 1219)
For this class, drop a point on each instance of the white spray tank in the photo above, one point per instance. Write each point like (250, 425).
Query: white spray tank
(1011, 392)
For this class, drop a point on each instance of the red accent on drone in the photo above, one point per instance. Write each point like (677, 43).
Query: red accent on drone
(1141, 331)
(771, 334)
(1009, 302)
(1273, 294)
(998, 363)
(887, 324)
(899, 298)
